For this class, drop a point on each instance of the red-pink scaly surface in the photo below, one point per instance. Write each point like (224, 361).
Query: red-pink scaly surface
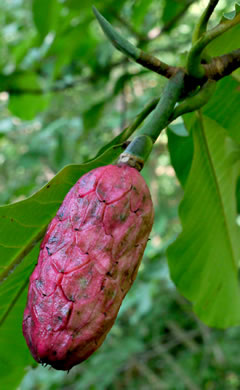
(88, 261)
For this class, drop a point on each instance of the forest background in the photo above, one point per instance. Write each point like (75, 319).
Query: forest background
(64, 93)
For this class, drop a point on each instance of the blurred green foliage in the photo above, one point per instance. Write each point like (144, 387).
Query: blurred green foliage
(64, 93)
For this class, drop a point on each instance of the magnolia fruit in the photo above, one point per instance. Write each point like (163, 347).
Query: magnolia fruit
(88, 261)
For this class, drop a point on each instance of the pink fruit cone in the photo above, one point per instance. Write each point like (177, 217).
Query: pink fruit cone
(88, 261)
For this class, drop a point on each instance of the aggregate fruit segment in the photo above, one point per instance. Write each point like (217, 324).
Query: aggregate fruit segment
(88, 261)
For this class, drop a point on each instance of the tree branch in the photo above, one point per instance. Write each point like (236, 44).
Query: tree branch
(223, 65)
(133, 52)
(218, 68)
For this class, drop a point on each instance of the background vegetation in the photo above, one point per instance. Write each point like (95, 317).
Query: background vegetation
(64, 93)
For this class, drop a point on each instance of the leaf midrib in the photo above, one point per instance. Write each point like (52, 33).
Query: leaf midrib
(218, 191)
(21, 254)
(13, 302)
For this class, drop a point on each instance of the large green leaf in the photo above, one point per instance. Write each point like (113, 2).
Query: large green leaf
(14, 354)
(11, 337)
(228, 41)
(204, 259)
(27, 106)
(172, 8)
(139, 12)
(25, 100)
(22, 225)
(45, 15)
(180, 146)
(227, 115)
(223, 107)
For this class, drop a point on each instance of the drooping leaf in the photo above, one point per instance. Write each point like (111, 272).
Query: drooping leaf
(238, 195)
(172, 8)
(25, 97)
(19, 81)
(12, 303)
(232, 14)
(27, 106)
(45, 15)
(180, 146)
(24, 223)
(93, 114)
(204, 259)
(140, 10)
(226, 43)
(71, 43)
(75, 4)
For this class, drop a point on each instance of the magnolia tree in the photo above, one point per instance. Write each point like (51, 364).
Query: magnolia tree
(199, 106)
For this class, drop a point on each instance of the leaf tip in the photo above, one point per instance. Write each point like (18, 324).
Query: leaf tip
(116, 39)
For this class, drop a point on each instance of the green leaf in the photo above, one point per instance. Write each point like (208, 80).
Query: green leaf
(204, 259)
(229, 40)
(140, 10)
(223, 107)
(22, 225)
(76, 4)
(19, 81)
(238, 195)
(26, 99)
(94, 113)
(45, 15)
(27, 106)
(14, 354)
(231, 15)
(226, 43)
(180, 146)
(80, 5)
(13, 300)
(72, 44)
(171, 9)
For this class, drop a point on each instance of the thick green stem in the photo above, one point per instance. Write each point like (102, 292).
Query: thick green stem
(137, 152)
(159, 118)
(139, 149)
(194, 67)
(201, 26)
(195, 102)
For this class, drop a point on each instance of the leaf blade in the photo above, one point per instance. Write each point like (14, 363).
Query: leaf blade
(45, 15)
(24, 223)
(209, 244)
